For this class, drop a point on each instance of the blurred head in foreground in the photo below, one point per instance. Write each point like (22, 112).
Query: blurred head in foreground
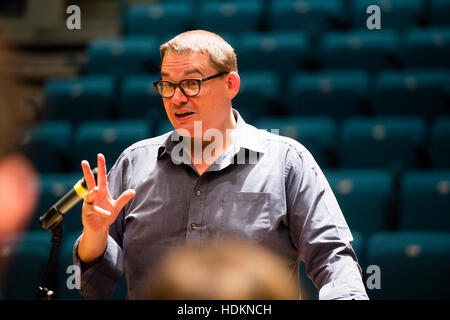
(18, 191)
(223, 270)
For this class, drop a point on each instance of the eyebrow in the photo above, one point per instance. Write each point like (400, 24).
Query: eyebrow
(187, 72)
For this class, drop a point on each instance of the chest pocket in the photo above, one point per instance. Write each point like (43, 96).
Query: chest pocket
(246, 214)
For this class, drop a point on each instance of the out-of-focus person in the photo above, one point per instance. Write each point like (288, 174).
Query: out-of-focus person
(18, 187)
(223, 269)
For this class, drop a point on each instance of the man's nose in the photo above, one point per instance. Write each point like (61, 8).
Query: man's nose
(178, 96)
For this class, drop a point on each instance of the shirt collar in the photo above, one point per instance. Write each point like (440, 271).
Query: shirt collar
(244, 137)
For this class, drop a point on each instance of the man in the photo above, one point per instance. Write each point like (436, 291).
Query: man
(251, 184)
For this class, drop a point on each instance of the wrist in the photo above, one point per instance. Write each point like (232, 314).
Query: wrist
(92, 246)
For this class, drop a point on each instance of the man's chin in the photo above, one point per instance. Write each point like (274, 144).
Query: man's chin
(190, 133)
(191, 129)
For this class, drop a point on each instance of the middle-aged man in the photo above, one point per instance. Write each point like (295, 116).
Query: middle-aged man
(213, 176)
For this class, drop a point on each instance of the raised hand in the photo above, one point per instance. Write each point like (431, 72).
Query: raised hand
(99, 211)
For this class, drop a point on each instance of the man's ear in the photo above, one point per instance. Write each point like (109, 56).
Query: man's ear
(233, 84)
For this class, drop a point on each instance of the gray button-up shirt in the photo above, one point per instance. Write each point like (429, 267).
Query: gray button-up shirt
(265, 188)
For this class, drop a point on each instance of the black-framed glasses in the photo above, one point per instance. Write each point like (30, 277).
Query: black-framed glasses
(189, 87)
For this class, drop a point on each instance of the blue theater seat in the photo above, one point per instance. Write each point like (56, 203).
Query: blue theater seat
(381, 142)
(158, 18)
(230, 16)
(317, 134)
(364, 197)
(413, 265)
(163, 127)
(426, 48)
(336, 93)
(371, 50)
(110, 138)
(25, 257)
(310, 16)
(359, 246)
(439, 144)
(440, 11)
(258, 90)
(425, 201)
(281, 52)
(410, 92)
(131, 54)
(52, 188)
(394, 13)
(77, 100)
(47, 145)
(139, 98)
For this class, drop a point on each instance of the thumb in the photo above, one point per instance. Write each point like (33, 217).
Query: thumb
(123, 199)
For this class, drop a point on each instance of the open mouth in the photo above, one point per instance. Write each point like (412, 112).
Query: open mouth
(183, 115)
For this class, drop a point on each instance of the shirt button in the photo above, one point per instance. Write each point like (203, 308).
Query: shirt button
(198, 193)
(194, 226)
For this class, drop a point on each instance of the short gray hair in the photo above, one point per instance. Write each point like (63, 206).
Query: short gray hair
(221, 54)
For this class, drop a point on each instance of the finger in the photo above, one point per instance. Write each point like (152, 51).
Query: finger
(88, 175)
(101, 211)
(101, 173)
(94, 210)
(92, 196)
(123, 199)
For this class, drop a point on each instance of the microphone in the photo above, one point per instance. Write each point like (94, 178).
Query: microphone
(54, 216)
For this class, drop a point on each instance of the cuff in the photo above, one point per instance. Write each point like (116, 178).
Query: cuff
(99, 280)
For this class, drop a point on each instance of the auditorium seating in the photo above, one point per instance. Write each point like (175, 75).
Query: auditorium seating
(439, 145)
(338, 94)
(364, 197)
(306, 15)
(410, 92)
(52, 188)
(425, 200)
(372, 106)
(413, 265)
(139, 98)
(47, 145)
(381, 142)
(77, 100)
(258, 90)
(163, 127)
(280, 52)
(315, 133)
(360, 49)
(107, 137)
(439, 13)
(25, 257)
(426, 48)
(230, 16)
(394, 13)
(127, 55)
(358, 246)
(158, 18)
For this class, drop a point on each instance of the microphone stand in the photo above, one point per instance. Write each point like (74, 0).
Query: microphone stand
(44, 293)
(52, 221)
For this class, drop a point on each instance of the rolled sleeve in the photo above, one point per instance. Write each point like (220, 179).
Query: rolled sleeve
(99, 280)
(320, 232)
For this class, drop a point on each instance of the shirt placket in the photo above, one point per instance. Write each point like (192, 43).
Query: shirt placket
(196, 206)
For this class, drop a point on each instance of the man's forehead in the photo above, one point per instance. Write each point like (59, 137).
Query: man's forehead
(185, 63)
